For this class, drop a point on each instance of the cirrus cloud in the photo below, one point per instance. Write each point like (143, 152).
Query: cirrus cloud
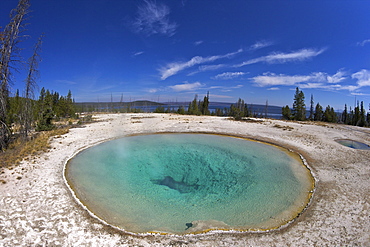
(186, 86)
(199, 42)
(183, 87)
(272, 79)
(203, 68)
(364, 42)
(280, 57)
(261, 44)
(363, 77)
(228, 75)
(173, 68)
(152, 18)
(337, 77)
(317, 80)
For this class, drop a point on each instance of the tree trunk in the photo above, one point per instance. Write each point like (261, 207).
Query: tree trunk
(9, 40)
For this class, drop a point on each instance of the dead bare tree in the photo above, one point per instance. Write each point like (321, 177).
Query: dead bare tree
(9, 40)
(29, 93)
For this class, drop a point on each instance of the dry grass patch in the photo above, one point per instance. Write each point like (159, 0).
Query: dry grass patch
(19, 149)
(141, 117)
(285, 127)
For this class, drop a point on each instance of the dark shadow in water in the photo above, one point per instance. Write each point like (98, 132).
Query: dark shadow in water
(175, 185)
(188, 225)
(353, 144)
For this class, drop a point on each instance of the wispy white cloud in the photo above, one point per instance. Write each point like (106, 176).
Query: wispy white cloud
(347, 87)
(152, 18)
(153, 90)
(66, 82)
(137, 53)
(337, 77)
(261, 44)
(203, 68)
(317, 80)
(226, 88)
(101, 89)
(228, 75)
(199, 42)
(300, 55)
(364, 42)
(360, 94)
(272, 79)
(177, 87)
(318, 85)
(186, 86)
(293, 56)
(173, 68)
(362, 77)
(211, 67)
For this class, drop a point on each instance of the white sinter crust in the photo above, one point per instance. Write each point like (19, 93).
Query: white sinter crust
(36, 207)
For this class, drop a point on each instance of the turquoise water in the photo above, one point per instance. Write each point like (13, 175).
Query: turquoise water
(179, 183)
(353, 144)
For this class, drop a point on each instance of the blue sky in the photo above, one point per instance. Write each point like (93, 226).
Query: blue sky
(170, 50)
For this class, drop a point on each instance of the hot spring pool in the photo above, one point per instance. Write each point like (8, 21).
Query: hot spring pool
(353, 144)
(187, 183)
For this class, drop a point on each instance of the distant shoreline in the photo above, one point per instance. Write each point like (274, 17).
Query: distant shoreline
(149, 106)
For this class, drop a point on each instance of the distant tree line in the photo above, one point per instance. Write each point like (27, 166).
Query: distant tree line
(52, 107)
(196, 107)
(356, 116)
(40, 113)
(238, 110)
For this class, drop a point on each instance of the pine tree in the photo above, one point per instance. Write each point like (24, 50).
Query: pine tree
(351, 116)
(330, 115)
(219, 112)
(345, 117)
(204, 105)
(41, 101)
(70, 111)
(299, 107)
(46, 101)
(362, 120)
(181, 110)
(193, 108)
(238, 110)
(15, 104)
(318, 115)
(286, 113)
(311, 117)
(356, 115)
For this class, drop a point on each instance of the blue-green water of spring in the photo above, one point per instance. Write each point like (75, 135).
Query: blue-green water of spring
(182, 183)
(353, 144)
